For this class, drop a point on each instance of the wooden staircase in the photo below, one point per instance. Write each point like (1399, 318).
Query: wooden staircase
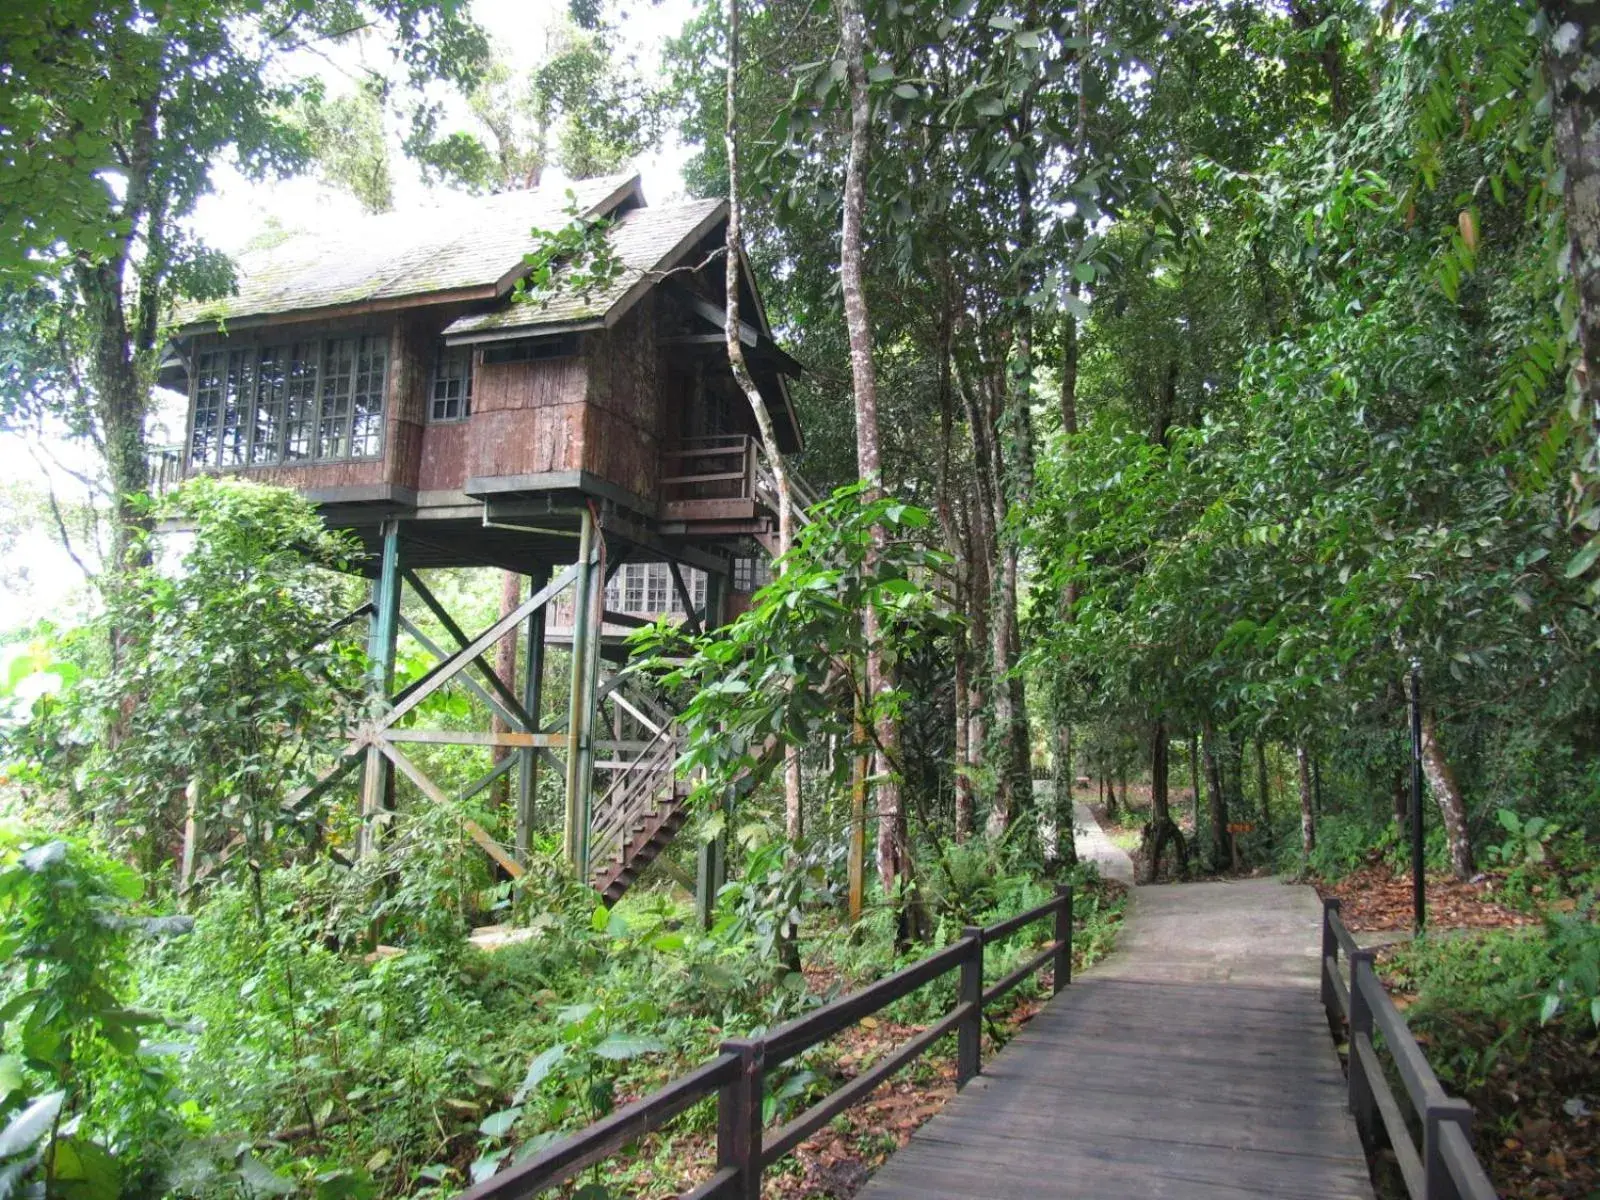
(637, 816)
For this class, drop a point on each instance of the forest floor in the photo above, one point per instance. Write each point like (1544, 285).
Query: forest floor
(1535, 1090)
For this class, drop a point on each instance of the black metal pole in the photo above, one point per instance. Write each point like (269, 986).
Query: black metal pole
(1418, 890)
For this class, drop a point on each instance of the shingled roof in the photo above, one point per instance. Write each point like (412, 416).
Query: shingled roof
(645, 241)
(471, 249)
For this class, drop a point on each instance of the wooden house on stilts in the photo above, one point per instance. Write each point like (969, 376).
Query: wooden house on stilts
(595, 443)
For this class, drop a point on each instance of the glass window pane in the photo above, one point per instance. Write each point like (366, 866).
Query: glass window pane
(367, 399)
(266, 439)
(338, 373)
(207, 409)
(450, 397)
(236, 406)
(300, 403)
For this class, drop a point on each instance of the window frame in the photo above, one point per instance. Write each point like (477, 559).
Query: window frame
(443, 352)
(295, 401)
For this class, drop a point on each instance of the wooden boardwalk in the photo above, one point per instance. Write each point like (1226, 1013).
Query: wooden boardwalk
(1196, 1064)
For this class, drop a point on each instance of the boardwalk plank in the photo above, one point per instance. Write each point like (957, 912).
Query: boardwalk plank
(1143, 1083)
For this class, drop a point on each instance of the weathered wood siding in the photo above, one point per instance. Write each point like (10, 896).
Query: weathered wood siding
(621, 435)
(527, 418)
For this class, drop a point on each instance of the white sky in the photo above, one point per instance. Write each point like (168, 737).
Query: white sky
(42, 580)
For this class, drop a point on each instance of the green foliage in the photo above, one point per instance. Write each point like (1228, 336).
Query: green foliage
(1526, 840)
(86, 1115)
(774, 675)
(223, 693)
(577, 259)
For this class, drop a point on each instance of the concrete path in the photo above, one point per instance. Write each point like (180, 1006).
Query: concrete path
(1094, 845)
(1194, 1063)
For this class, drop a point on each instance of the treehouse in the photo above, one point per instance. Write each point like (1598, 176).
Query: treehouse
(587, 434)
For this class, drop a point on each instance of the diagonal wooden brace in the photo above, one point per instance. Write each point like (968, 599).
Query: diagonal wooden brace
(508, 699)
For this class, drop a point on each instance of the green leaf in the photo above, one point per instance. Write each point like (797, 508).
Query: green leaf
(1583, 559)
(260, 1178)
(621, 1046)
(84, 1170)
(497, 1125)
(539, 1069)
(30, 1125)
(598, 921)
(10, 1074)
(1551, 1006)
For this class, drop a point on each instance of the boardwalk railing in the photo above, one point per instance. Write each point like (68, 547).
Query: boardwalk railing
(736, 1076)
(1444, 1167)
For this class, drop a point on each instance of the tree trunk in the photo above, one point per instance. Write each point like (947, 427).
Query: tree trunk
(1218, 809)
(1401, 800)
(1194, 785)
(732, 279)
(893, 855)
(1308, 820)
(1159, 807)
(505, 666)
(1263, 790)
(1572, 62)
(1447, 794)
(963, 772)
(1066, 843)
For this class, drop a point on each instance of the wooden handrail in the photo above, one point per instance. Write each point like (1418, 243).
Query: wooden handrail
(1444, 1167)
(737, 1074)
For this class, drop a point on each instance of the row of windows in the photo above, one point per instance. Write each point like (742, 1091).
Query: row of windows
(647, 588)
(299, 402)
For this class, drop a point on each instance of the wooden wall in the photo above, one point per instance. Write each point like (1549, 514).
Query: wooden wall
(527, 418)
(620, 442)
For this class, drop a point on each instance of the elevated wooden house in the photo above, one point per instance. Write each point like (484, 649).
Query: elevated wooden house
(393, 373)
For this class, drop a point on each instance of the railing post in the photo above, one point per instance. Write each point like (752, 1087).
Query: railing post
(1063, 964)
(969, 1034)
(1330, 949)
(739, 1118)
(1436, 1181)
(1360, 1093)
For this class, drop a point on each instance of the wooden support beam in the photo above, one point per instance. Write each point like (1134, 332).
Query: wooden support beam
(508, 700)
(432, 790)
(377, 782)
(532, 703)
(472, 737)
(495, 772)
(472, 685)
(587, 597)
(446, 671)
(683, 596)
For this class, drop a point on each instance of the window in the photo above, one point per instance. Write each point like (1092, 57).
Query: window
(451, 397)
(295, 403)
(532, 349)
(647, 589)
(751, 574)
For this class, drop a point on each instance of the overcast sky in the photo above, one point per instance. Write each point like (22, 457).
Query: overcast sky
(39, 579)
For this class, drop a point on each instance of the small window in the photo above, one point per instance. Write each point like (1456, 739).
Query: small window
(531, 349)
(751, 574)
(451, 396)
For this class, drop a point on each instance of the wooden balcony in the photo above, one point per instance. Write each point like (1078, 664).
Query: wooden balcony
(712, 479)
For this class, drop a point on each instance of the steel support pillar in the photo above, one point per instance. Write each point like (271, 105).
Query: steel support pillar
(383, 633)
(532, 702)
(587, 601)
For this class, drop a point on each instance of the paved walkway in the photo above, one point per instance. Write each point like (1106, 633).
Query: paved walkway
(1194, 1063)
(1094, 845)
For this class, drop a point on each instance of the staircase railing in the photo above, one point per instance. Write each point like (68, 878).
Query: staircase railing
(634, 794)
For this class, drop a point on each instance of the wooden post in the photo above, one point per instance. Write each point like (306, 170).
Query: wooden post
(532, 703)
(1436, 1181)
(1360, 1088)
(969, 1034)
(383, 632)
(1063, 963)
(1330, 949)
(858, 823)
(580, 709)
(739, 1119)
